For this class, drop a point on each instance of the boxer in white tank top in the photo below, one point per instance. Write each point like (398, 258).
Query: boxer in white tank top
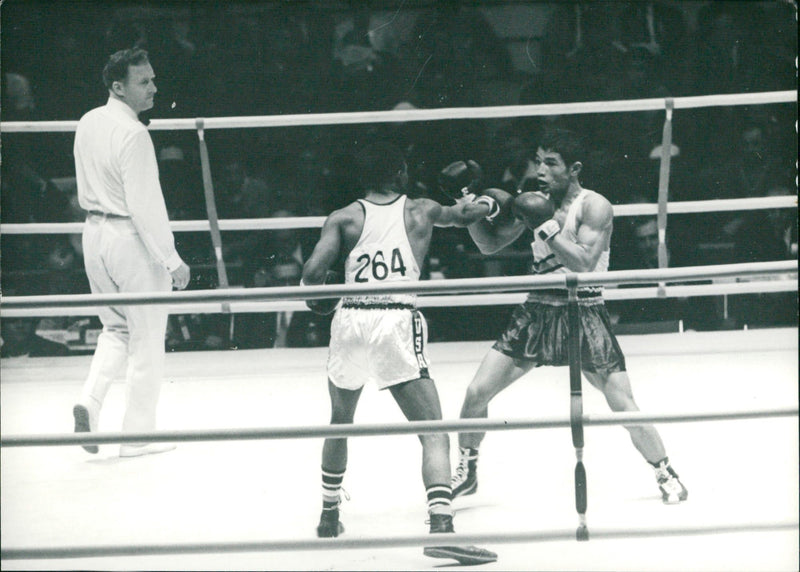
(389, 343)
(383, 238)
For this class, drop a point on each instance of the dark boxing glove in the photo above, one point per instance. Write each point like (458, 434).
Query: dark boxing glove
(460, 179)
(325, 306)
(536, 211)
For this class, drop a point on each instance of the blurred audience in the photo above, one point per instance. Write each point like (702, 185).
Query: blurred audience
(635, 245)
(18, 338)
(763, 236)
(236, 59)
(286, 328)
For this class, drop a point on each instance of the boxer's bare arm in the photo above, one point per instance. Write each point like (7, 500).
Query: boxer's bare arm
(594, 234)
(326, 251)
(460, 215)
(491, 238)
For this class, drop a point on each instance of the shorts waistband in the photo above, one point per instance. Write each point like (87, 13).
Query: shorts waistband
(559, 293)
(378, 306)
(107, 215)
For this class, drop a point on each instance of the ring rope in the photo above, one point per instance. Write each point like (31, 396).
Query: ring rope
(384, 429)
(344, 542)
(446, 286)
(394, 116)
(449, 301)
(249, 224)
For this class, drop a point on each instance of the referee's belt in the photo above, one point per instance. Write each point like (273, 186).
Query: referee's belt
(108, 215)
(378, 306)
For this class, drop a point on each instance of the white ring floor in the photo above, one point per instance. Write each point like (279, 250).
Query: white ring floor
(736, 471)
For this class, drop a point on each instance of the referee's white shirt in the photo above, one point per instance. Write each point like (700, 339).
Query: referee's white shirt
(117, 173)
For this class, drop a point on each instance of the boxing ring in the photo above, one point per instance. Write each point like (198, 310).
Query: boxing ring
(242, 491)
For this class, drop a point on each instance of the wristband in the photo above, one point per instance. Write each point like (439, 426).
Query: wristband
(494, 208)
(547, 230)
(466, 197)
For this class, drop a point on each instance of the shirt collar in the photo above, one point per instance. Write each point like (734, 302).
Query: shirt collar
(121, 106)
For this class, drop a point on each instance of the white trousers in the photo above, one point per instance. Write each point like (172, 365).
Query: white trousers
(117, 260)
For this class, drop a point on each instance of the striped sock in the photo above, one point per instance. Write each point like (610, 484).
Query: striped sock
(331, 488)
(439, 498)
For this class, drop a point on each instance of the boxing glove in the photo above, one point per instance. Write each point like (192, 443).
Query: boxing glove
(534, 209)
(325, 306)
(460, 179)
(501, 214)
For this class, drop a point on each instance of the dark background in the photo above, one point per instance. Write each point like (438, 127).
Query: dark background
(265, 58)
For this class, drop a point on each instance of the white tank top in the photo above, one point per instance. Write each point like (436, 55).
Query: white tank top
(382, 254)
(545, 261)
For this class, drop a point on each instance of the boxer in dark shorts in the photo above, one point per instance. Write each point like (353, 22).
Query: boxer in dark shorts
(534, 333)
(572, 229)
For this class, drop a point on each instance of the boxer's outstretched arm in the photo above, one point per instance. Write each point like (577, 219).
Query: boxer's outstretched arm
(491, 238)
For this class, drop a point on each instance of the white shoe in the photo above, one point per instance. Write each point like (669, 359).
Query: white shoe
(86, 422)
(672, 489)
(150, 449)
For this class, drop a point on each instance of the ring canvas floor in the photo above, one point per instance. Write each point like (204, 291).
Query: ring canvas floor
(736, 471)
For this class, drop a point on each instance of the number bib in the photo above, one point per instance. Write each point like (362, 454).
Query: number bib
(383, 252)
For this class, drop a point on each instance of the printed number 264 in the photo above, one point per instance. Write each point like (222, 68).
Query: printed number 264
(378, 267)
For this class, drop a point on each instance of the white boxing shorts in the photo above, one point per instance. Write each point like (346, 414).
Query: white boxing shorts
(387, 346)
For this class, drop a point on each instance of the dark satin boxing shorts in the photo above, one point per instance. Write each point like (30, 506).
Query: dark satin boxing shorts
(539, 332)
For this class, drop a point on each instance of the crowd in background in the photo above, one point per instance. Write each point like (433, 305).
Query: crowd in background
(264, 58)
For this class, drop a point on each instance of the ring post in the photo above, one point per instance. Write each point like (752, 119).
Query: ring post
(211, 207)
(576, 405)
(213, 219)
(663, 190)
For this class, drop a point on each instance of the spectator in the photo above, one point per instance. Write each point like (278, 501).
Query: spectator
(285, 328)
(738, 51)
(27, 193)
(199, 332)
(637, 248)
(241, 194)
(766, 236)
(26, 165)
(512, 168)
(74, 37)
(180, 181)
(294, 77)
(758, 157)
(18, 338)
(659, 29)
(364, 76)
(454, 49)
